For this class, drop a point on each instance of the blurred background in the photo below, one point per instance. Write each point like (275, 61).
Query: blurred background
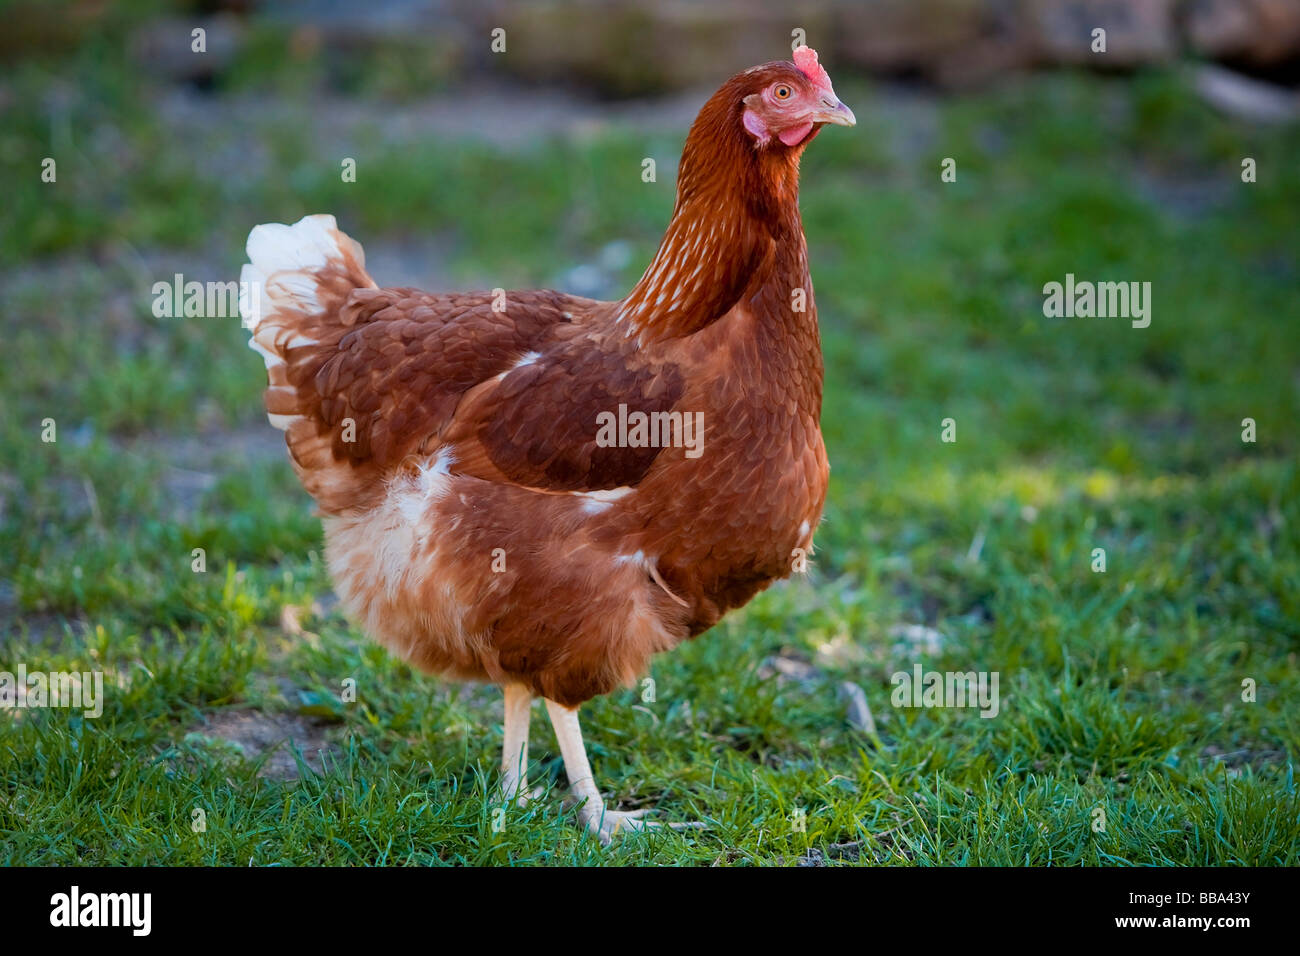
(523, 168)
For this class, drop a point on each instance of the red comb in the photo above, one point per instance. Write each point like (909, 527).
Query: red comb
(805, 57)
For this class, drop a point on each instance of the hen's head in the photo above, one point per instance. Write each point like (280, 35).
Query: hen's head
(744, 146)
(786, 103)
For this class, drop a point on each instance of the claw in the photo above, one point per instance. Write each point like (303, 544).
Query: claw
(604, 824)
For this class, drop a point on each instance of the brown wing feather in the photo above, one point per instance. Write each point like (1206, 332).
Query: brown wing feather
(537, 425)
(383, 376)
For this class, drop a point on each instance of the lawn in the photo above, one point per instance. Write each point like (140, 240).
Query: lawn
(1124, 691)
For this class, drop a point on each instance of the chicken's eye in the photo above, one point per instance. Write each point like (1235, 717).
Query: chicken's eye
(782, 92)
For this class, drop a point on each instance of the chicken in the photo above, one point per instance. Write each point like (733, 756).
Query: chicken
(541, 490)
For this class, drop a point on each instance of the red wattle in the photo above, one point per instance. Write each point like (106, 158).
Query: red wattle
(795, 134)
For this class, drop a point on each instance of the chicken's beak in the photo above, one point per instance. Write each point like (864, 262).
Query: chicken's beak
(832, 110)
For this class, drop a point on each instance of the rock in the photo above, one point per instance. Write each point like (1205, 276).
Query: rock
(946, 40)
(859, 715)
(1137, 31)
(1246, 98)
(1257, 32)
(624, 48)
(1218, 27)
(786, 669)
(627, 49)
(914, 639)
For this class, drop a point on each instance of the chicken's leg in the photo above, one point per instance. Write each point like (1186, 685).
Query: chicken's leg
(599, 820)
(514, 755)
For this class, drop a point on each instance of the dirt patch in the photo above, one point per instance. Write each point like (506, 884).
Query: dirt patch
(1238, 760)
(254, 733)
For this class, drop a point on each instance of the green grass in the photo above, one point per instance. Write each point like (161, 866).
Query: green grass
(1120, 690)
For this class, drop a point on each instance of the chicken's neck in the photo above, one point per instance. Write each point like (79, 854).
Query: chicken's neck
(735, 236)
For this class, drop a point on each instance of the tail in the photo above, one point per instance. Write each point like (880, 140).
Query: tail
(292, 291)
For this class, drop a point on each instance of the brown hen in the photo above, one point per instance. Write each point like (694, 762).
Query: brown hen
(542, 490)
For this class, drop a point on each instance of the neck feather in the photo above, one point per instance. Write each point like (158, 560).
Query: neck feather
(735, 228)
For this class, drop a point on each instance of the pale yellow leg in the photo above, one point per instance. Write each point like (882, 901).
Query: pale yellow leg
(514, 755)
(599, 820)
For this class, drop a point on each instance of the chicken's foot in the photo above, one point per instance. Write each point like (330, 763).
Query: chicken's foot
(602, 822)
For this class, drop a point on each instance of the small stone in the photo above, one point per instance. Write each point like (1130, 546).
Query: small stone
(859, 714)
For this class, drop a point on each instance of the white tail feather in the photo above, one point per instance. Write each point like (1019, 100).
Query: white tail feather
(281, 286)
(282, 265)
